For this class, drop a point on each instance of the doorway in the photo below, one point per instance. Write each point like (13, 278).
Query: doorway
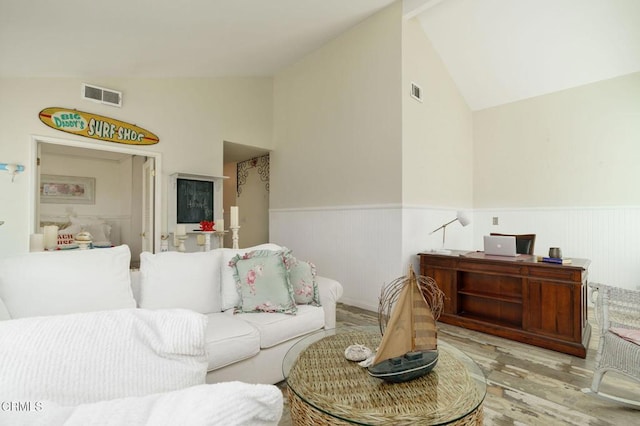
(248, 188)
(128, 203)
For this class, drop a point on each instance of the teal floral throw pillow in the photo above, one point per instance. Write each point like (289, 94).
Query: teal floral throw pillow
(303, 280)
(263, 282)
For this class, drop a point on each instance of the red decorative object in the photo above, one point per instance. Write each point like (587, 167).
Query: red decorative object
(207, 226)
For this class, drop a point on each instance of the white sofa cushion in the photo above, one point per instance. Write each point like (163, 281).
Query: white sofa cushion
(69, 281)
(230, 295)
(276, 328)
(88, 357)
(229, 340)
(181, 280)
(229, 404)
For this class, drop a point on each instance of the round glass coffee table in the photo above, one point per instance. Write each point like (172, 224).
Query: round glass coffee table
(326, 388)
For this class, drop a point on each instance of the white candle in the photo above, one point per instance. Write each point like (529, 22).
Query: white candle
(181, 230)
(51, 237)
(234, 216)
(219, 226)
(36, 242)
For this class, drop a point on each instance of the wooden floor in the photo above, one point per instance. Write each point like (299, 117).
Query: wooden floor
(527, 385)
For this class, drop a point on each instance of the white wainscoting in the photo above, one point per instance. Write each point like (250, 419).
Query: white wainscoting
(608, 236)
(365, 247)
(359, 246)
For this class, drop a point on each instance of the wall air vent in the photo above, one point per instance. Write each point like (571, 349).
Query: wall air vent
(416, 92)
(101, 95)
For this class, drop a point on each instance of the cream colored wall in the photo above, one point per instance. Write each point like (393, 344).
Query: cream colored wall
(577, 147)
(337, 120)
(336, 171)
(565, 167)
(253, 210)
(191, 117)
(107, 173)
(437, 150)
(437, 134)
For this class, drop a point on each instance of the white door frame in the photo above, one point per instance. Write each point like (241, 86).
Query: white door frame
(148, 197)
(103, 146)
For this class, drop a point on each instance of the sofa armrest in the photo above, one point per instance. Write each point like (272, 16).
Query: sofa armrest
(94, 356)
(330, 292)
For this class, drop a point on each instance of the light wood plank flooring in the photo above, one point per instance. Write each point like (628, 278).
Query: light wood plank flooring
(527, 385)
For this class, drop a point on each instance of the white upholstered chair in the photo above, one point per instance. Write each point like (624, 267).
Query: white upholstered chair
(618, 314)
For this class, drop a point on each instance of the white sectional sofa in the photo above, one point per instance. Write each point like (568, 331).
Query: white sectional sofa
(242, 346)
(134, 367)
(247, 347)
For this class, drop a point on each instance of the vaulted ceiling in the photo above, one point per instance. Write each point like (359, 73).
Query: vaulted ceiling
(500, 51)
(497, 51)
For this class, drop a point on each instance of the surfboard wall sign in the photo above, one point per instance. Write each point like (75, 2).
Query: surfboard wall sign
(96, 126)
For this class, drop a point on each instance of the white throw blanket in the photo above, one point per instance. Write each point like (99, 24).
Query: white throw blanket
(228, 404)
(83, 358)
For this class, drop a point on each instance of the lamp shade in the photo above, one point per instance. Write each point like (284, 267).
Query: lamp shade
(463, 218)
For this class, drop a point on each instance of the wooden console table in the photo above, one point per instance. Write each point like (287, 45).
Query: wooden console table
(518, 298)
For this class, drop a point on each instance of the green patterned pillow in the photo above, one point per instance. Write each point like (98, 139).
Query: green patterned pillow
(263, 283)
(302, 276)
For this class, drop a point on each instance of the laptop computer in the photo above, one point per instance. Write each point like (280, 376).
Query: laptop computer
(500, 245)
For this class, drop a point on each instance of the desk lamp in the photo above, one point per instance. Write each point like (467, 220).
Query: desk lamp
(460, 217)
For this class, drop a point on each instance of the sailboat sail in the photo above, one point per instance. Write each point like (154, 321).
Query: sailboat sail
(424, 324)
(411, 326)
(398, 337)
(408, 349)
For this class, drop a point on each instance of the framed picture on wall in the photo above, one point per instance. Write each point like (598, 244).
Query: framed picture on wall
(67, 189)
(195, 201)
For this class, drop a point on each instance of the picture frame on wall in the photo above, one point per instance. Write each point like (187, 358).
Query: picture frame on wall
(67, 189)
(194, 201)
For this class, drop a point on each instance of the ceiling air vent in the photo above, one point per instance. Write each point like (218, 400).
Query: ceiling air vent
(101, 95)
(416, 92)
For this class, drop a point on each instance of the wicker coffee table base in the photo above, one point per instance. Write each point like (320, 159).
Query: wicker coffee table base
(325, 388)
(302, 414)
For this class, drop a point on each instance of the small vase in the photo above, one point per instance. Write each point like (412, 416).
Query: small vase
(555, 252)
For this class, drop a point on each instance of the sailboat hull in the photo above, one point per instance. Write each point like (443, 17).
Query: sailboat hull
(404, 368)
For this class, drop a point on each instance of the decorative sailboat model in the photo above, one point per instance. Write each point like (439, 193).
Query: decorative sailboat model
(409, 307)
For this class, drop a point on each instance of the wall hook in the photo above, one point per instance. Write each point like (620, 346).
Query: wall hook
(12, 168)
